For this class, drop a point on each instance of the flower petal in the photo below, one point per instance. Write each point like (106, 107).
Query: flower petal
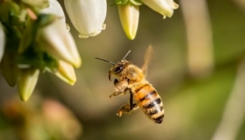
(164, 7)
(2, 41)
(87, 16)
(66, 72)
(59, 43)
(129, 17)
(27, 82)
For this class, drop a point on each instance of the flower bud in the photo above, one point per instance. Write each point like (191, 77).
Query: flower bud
(55, 9)
(129, 17)
(2, 41)
(164, 7)
(87, 16)
(27, 82)
(9, 69)
(59, 43)
(66, 72)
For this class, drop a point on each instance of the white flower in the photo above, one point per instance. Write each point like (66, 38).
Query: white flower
(59, 43)
(87, 16)
(129, 17)
(55, 9)
(2, 41)
(164, 7)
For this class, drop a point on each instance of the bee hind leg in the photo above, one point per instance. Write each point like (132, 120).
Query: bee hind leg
(127, 109)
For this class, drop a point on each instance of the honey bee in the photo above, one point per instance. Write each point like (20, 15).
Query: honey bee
(129, 77)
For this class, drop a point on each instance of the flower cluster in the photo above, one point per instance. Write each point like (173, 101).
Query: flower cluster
(34, 37)
(88, 16)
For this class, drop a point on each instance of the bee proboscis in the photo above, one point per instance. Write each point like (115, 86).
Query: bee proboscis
(129, 77)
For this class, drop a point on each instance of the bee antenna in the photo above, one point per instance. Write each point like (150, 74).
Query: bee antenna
(105, 60)
(126, 54)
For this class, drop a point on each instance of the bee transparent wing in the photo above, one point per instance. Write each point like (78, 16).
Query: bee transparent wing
(147, 59)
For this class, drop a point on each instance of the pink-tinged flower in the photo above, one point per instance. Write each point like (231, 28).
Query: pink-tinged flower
(164, 7)
(27, 82)
(129, 17)
(87, 16)
(59, 43)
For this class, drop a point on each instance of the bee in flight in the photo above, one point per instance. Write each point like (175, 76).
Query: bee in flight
(129, 77)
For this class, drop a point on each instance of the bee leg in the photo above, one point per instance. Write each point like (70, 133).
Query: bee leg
(126, 109)
(116, 93)
(120, 87)
(131, 100)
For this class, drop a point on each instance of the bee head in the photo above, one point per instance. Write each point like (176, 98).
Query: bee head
(118, 67)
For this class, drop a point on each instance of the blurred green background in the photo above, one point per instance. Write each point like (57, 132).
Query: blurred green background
(196, 96)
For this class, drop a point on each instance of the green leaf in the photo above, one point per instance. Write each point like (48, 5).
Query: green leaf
(8, 9)
(121, 1)
(50, 62)
(28, 36)
(36, 4)
(9, 69)
(13, 38)
(32, 28)
(45, 19)
(4, 12)
(37, 59)
(136, 2)
(16, 21)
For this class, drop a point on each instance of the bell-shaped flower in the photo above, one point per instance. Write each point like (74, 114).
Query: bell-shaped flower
(66, 72)
(2, 41)
(129, 17)
(164, 7)
(59, 43)
(87, 16)
(55, 9)
(27, 82)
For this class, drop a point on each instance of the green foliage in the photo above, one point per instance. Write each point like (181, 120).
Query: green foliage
(122, 2)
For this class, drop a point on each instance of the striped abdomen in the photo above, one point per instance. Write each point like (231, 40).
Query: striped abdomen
(150, 102)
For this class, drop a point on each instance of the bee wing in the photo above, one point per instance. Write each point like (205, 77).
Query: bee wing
(147, 59)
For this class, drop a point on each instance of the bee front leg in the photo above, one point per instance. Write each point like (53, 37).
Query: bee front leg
(120, 87)
(116, 93)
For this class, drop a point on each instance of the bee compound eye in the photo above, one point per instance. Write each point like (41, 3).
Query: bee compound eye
(118, 69)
